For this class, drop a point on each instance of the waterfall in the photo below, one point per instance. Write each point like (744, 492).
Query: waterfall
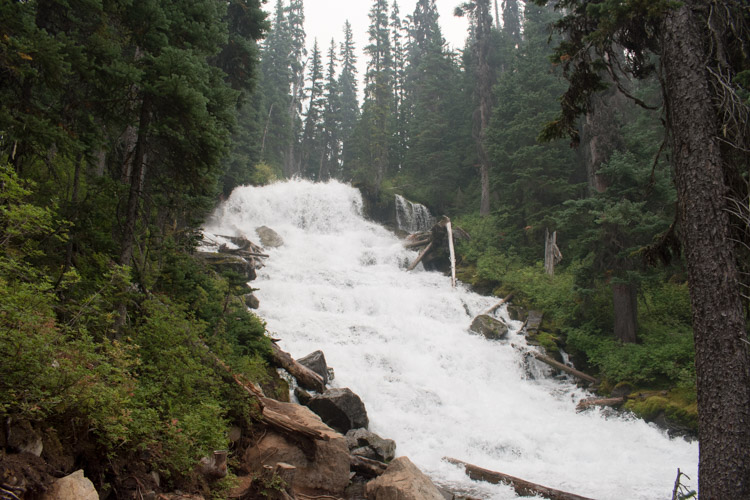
(400, 341)
(412, 217)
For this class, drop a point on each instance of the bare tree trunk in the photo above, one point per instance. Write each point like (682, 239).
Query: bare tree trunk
(625, 302)
(721, 353)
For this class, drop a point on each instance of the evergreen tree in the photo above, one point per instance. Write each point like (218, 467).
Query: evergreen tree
(311, 140)
(349, 104)
(375, 127)
(330, 153)
(275, 86)
(481, 50)
(699, 45)
(295, 21)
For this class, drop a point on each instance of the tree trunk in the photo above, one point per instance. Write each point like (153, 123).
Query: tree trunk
(721, 355)
(137, 175)
(484, 93)
(625, 302)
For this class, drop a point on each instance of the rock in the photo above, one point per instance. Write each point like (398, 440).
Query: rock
(302, 395)
(251, 301)
(341, 409)
(222, 262)
(516, 313)
(268, 237)
(234, 434)
(22, 437)
(72, 487)
(534, 321)
(622, 389)
(316, 361)
(321, 466)
(360, 440)
(491, 328)
(402, 480)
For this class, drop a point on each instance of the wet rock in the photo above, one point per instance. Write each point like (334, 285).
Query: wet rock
(368, 444)
(302, 395)
(489, 327)
(72, 487)
(402, 480)
(516, 313)
(268, 237)
(235, 264)
(316, 361)
(340, 408)
(251, 301)
(320, 466)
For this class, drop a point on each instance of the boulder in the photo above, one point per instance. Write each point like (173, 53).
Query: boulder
(341, 409)
(368, 444)
(321, 466)
(251, 301)
(491, 328)
(268, 237)
(222, 262)
(316, 361)
(402, 480)
(516, 313)
(72, 487)
(534, 321)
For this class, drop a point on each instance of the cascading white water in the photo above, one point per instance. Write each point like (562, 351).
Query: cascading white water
(400, 341)
(412, 217)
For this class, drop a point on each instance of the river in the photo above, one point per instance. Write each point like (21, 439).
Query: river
(400, 341)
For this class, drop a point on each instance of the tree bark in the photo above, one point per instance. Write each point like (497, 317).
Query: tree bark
(721, 355)
(625, 302)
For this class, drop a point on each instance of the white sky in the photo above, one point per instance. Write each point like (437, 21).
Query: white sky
(324, 19)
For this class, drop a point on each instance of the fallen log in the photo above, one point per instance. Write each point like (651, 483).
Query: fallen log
(521, 486)
(366, 467)
(565, 368)
(419, 257)
(306, 378)
(414, 243)
(269, 407)
(588, 403)
(491, 309)
(452, 252)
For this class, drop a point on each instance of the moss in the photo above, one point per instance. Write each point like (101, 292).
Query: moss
(677, 408)
(549, 342)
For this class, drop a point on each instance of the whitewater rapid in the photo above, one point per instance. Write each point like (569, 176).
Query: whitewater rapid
(400, 341)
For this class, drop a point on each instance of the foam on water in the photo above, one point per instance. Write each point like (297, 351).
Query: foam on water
(400, 341)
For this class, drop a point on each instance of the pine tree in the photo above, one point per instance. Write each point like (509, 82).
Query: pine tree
(311, 140)
(295, 20)
(349, 105)
(375, 126)
(331, 128)
(702, 52)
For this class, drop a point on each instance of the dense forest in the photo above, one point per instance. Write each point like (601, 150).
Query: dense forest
(123, 124)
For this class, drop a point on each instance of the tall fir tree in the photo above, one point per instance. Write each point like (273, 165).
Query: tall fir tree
(330, 154)
(348, 103)
(311, 147)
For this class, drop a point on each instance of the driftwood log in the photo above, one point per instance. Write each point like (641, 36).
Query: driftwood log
(306, 378)
(366, 467)
(589, 402)
(559, 366)
(440, 236)
(521, 486)
(492, 308)
(270, 408)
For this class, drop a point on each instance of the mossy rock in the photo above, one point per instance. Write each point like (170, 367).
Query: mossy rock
(671, 410)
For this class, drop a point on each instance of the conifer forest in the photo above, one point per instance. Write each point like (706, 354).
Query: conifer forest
(614, 132)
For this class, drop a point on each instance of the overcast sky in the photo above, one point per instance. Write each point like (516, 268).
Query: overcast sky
(324, 19)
